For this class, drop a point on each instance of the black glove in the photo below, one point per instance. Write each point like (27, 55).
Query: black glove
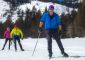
(22, 38)
(60, 32)
(40, 30)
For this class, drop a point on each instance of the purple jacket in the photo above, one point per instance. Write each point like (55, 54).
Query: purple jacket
(7, 34)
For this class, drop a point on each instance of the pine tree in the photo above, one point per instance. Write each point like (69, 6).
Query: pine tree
(80, 21)
(1, 30)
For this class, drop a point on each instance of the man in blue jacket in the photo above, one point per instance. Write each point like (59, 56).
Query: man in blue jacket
(52, 25)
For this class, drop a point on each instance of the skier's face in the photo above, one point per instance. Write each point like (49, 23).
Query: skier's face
(8, 29)
(15, 27)
(51, 12)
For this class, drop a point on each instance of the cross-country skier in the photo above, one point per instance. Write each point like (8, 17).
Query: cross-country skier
(52, 25)
(16, 34)
(7, 36)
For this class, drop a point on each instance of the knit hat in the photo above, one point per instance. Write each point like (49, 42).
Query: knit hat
(51, 7)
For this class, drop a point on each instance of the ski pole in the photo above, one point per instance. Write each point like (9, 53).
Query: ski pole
(36, 43)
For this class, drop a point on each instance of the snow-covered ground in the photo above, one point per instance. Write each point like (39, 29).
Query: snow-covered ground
(73, 46)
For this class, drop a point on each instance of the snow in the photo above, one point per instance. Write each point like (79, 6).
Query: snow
(4, 6)
(73, 46)
(59, 9)
(80, 1)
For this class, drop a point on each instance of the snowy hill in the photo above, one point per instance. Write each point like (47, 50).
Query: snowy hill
(59, 9)
(73, 46)
(41, 5)
(4, 6)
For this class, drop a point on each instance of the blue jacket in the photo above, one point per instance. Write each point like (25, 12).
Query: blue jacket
(50, 23)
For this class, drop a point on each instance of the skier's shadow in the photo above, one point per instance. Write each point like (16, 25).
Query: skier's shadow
(77, 56)
(69, 56)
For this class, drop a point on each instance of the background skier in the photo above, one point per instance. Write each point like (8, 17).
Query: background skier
(16, 34)
(7, 37)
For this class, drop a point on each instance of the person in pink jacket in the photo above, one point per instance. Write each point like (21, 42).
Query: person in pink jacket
(7, 37)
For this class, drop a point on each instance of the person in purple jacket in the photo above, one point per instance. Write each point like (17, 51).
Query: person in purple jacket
(7, 37)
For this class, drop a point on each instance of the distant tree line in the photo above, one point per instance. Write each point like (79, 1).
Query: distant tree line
(29, 21)
(73, 24)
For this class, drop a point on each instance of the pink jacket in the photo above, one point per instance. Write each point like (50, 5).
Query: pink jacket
(7, 34)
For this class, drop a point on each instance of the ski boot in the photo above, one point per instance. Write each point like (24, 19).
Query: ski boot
(65, 54)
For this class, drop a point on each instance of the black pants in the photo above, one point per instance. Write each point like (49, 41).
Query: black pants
(7, 39)
(53, 33)
(17, 38)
